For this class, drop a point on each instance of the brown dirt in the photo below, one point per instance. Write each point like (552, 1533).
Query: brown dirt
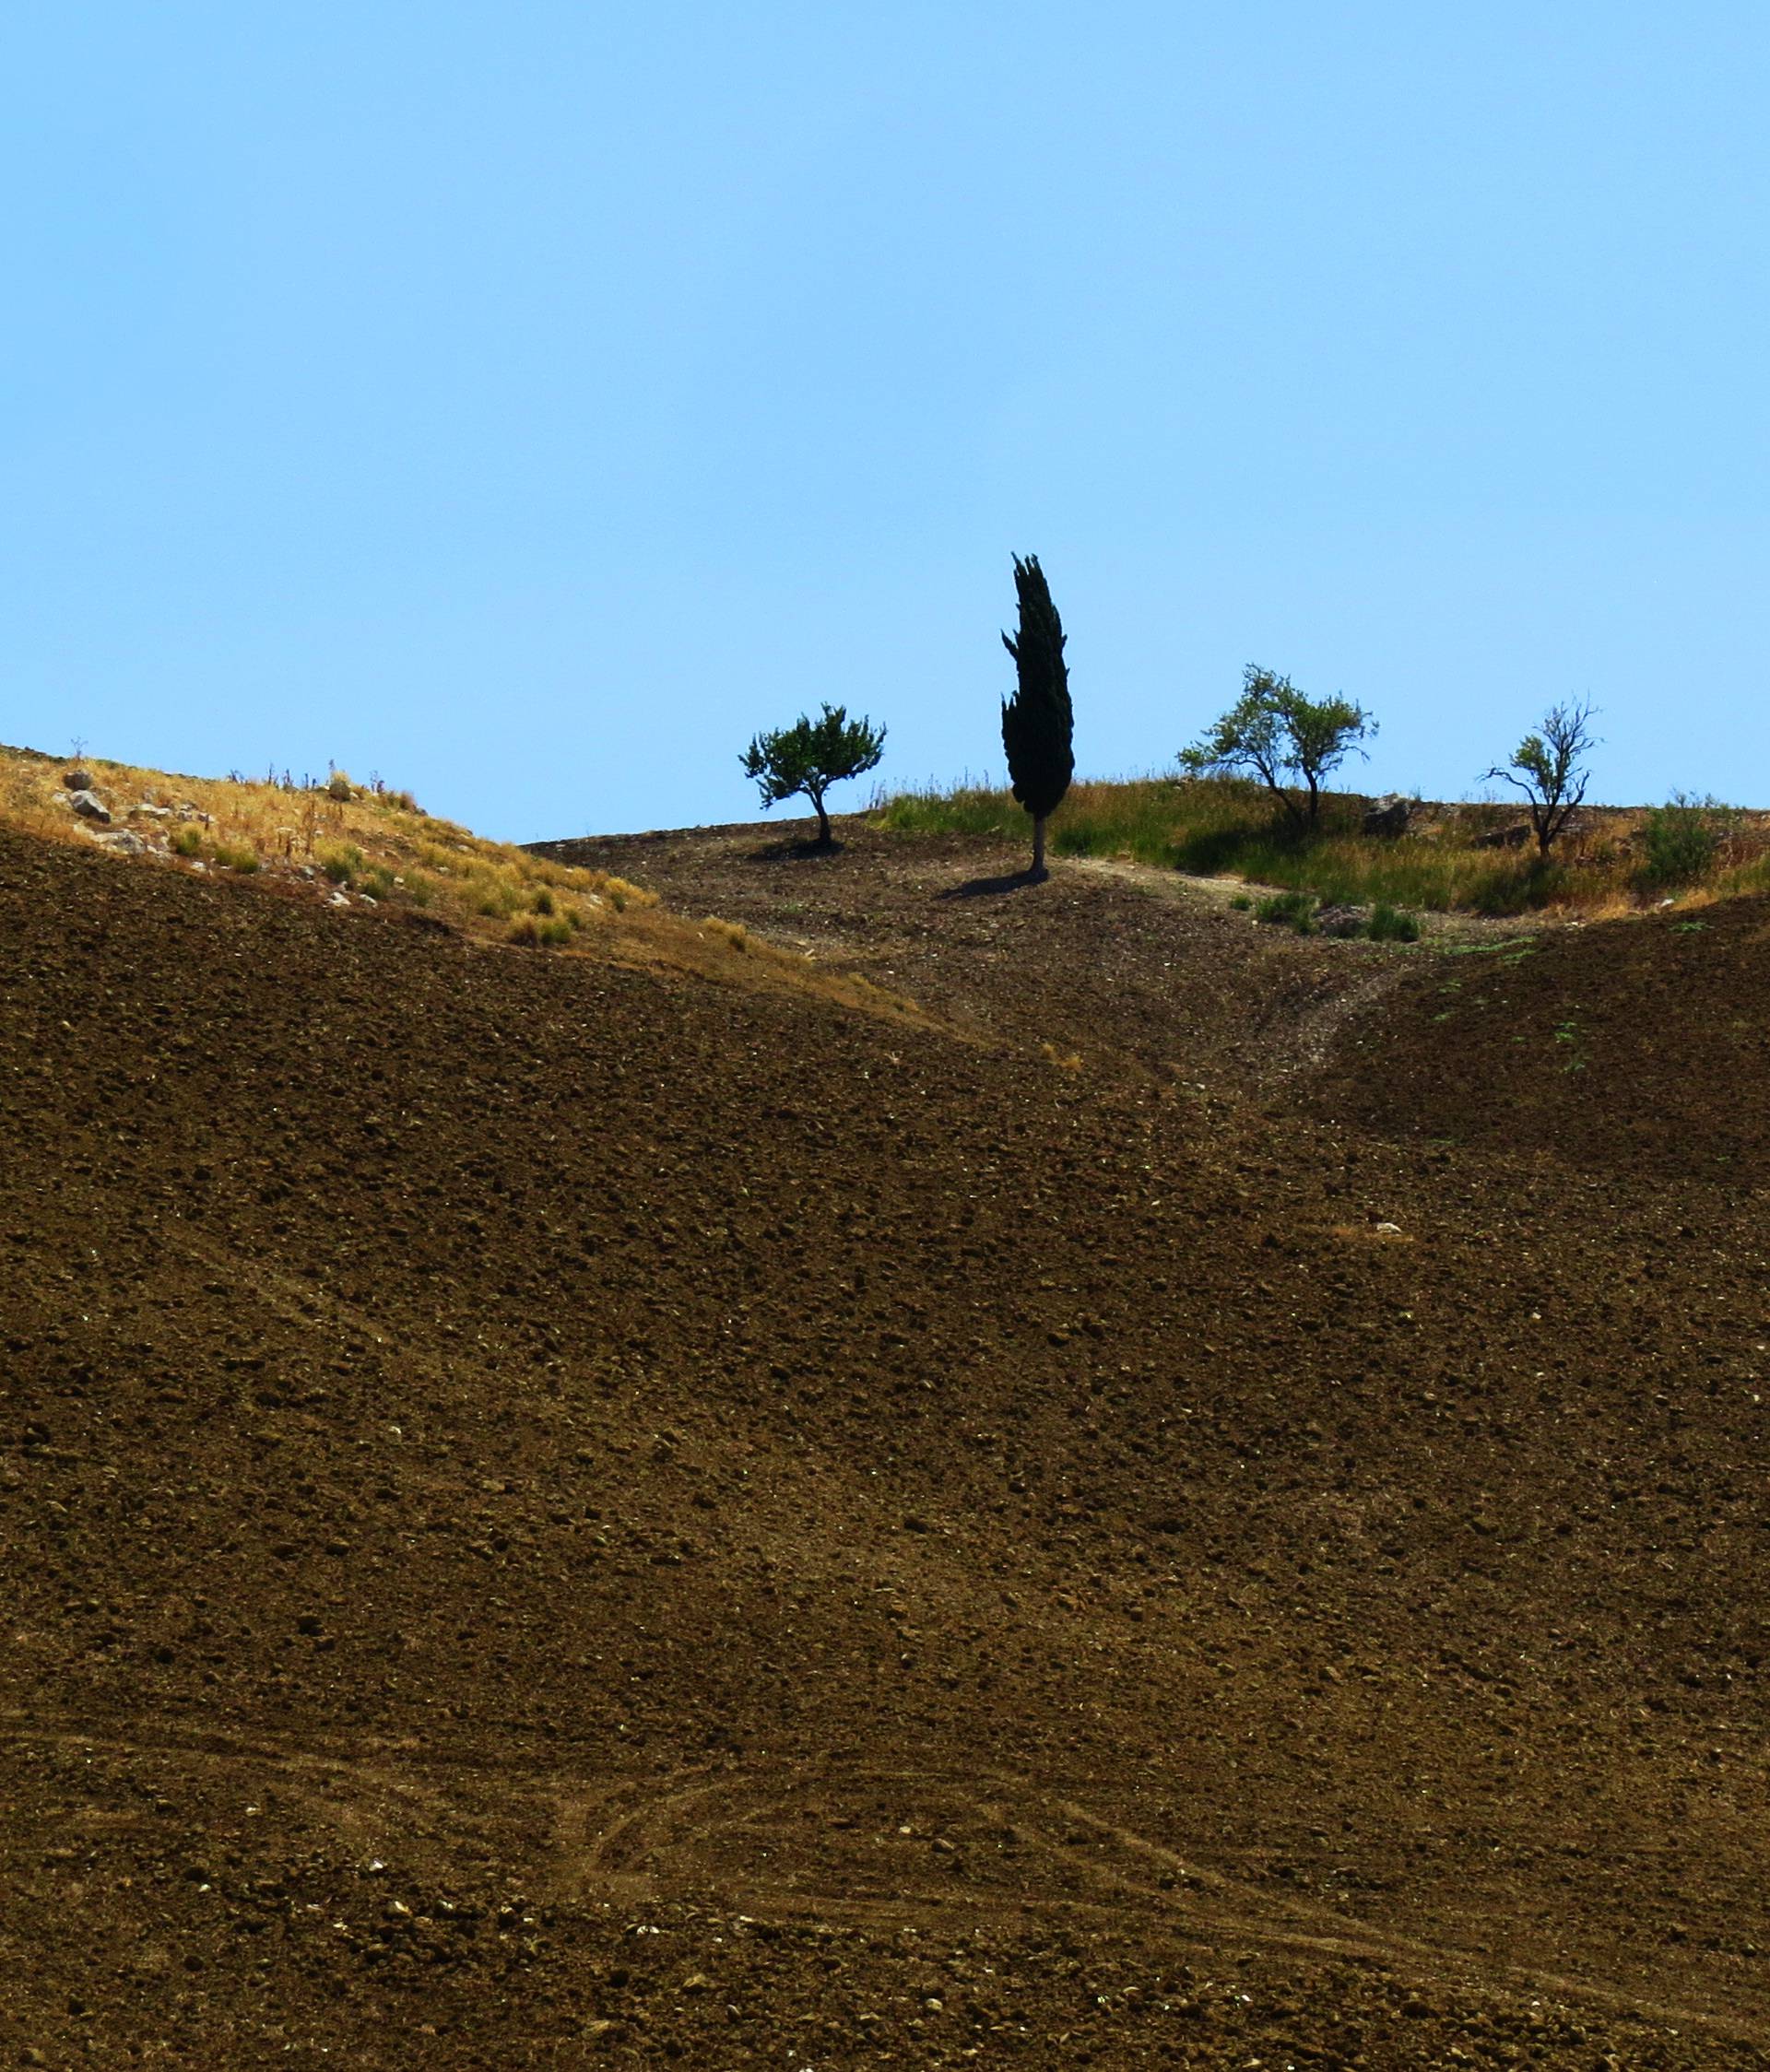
(560, 1515)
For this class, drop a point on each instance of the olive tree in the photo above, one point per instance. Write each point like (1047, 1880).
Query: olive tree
(1274, 732)
(811, 755)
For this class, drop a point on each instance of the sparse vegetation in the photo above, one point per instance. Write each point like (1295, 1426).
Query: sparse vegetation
(1221, 827)
(364, 842)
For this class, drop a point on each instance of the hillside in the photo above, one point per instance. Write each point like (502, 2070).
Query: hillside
(606, 1507)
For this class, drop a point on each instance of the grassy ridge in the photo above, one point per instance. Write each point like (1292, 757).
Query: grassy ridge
(367, 842)
(364, 846)
(1216, 826)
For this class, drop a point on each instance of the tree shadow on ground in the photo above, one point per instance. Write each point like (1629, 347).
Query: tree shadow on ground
(983, 888)
(793, 852)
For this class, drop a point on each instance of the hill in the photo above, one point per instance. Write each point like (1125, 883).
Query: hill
(585, 1507)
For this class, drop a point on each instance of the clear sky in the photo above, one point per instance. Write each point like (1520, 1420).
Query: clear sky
(528, 401)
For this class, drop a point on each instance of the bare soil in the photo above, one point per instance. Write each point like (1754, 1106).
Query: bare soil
(1199, 1513)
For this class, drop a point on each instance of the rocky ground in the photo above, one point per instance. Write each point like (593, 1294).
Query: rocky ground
(1204, 1507)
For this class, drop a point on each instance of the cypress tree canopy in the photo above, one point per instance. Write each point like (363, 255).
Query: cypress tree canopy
(1037, 722)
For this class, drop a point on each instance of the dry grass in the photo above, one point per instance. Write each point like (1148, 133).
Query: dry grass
(375, 851)
(352, 844)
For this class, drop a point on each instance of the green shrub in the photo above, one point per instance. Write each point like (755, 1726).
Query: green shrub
(341, 862)
(187, 841)
(1241, 903)
(236, 855)
(1681, 839)
(1390, 924)
(1289, 910)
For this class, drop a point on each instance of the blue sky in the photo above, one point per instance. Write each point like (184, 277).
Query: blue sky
(528, 402)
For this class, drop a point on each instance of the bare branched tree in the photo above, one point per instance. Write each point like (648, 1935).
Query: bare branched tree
(1547, 767)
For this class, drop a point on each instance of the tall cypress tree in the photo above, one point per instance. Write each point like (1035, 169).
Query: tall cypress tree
(1037, 722)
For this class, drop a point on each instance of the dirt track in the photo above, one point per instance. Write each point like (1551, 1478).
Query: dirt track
(566, 1515)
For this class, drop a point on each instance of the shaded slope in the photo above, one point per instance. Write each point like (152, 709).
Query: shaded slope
(622, 1454)
(1640, 1046)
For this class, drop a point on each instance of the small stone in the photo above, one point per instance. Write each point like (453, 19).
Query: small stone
(1506, 838)
(1339, 921)
(1389, 816)
(122, 842)
(78, 779)
(88, 803)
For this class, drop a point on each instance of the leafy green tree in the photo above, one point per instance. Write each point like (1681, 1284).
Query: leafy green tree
(1547, 768)
(1038, 723)
(1274, 732)
(811, 755)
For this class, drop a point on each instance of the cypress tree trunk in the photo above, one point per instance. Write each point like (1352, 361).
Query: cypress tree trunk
(1038, 870)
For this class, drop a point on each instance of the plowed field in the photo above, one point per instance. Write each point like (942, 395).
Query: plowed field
(1188, 1512)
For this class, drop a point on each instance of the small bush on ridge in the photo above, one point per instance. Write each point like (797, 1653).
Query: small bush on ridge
(1681, 839)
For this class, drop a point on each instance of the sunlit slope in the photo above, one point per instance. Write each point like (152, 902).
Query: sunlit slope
(574, 1448)
(370, 851)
